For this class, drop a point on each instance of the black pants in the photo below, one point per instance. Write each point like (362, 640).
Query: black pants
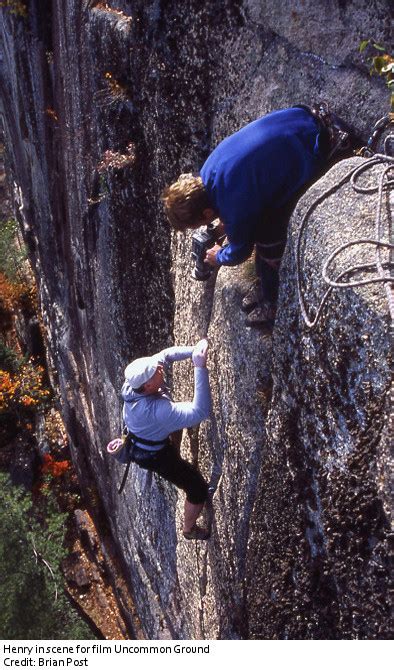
(270, 245)
(169, 465)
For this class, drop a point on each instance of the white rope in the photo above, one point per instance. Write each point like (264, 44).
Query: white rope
(385, 182)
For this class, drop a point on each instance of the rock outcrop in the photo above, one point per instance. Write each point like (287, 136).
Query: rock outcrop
(104, 103)
(318, 553)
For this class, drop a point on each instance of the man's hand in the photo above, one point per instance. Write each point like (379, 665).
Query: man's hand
(211, 255)
(200, 354)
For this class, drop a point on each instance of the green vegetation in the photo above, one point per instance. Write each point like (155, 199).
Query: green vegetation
(33, 604)
(22, 385)
(33, 526)
(382, 63)
(11, 255)
(9, 359)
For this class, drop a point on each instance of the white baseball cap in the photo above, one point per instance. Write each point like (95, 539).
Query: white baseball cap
(139, 371)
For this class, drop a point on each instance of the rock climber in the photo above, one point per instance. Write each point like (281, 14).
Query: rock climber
(251, 182)
(154, 419)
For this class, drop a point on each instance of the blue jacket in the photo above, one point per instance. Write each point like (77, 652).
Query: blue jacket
(257, 168)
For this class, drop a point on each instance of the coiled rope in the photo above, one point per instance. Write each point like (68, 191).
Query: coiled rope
(383, 268)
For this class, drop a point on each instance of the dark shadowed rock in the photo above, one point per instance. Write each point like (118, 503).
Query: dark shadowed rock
(74, 572)
(86, 530)
(24, 464)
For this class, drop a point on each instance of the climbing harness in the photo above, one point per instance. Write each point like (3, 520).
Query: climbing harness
(122, 450)
(386, 182)
(339, 137)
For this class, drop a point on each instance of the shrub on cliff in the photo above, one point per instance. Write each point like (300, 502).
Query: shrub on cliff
(16, 7)
(22, 392)
(22, 386)
(12, 254)
(33, 604)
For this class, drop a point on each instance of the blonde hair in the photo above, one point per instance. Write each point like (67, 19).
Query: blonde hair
(184, 201)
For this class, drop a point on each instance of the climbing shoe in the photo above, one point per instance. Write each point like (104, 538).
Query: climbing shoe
(263, 316)
(197, 533)
(252, 298)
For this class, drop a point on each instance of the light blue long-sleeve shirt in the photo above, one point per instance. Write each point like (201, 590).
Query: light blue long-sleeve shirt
(155, 416)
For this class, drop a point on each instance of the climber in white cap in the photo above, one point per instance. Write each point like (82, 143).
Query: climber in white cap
(152, 417)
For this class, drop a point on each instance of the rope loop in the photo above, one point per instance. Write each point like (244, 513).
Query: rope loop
(385, 183)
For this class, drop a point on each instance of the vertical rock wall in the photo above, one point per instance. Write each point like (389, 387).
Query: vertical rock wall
(158, 84)
(319, 550)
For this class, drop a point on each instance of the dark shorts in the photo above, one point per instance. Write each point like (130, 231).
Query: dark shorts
(169, 465)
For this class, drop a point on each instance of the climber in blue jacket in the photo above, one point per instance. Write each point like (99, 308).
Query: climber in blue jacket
(250, 182)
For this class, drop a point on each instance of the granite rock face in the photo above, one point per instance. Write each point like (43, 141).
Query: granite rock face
(102, 105)
(325, 480)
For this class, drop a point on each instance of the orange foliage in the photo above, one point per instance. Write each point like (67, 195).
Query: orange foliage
(22, 389)
(10, 293)
(54, 468)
